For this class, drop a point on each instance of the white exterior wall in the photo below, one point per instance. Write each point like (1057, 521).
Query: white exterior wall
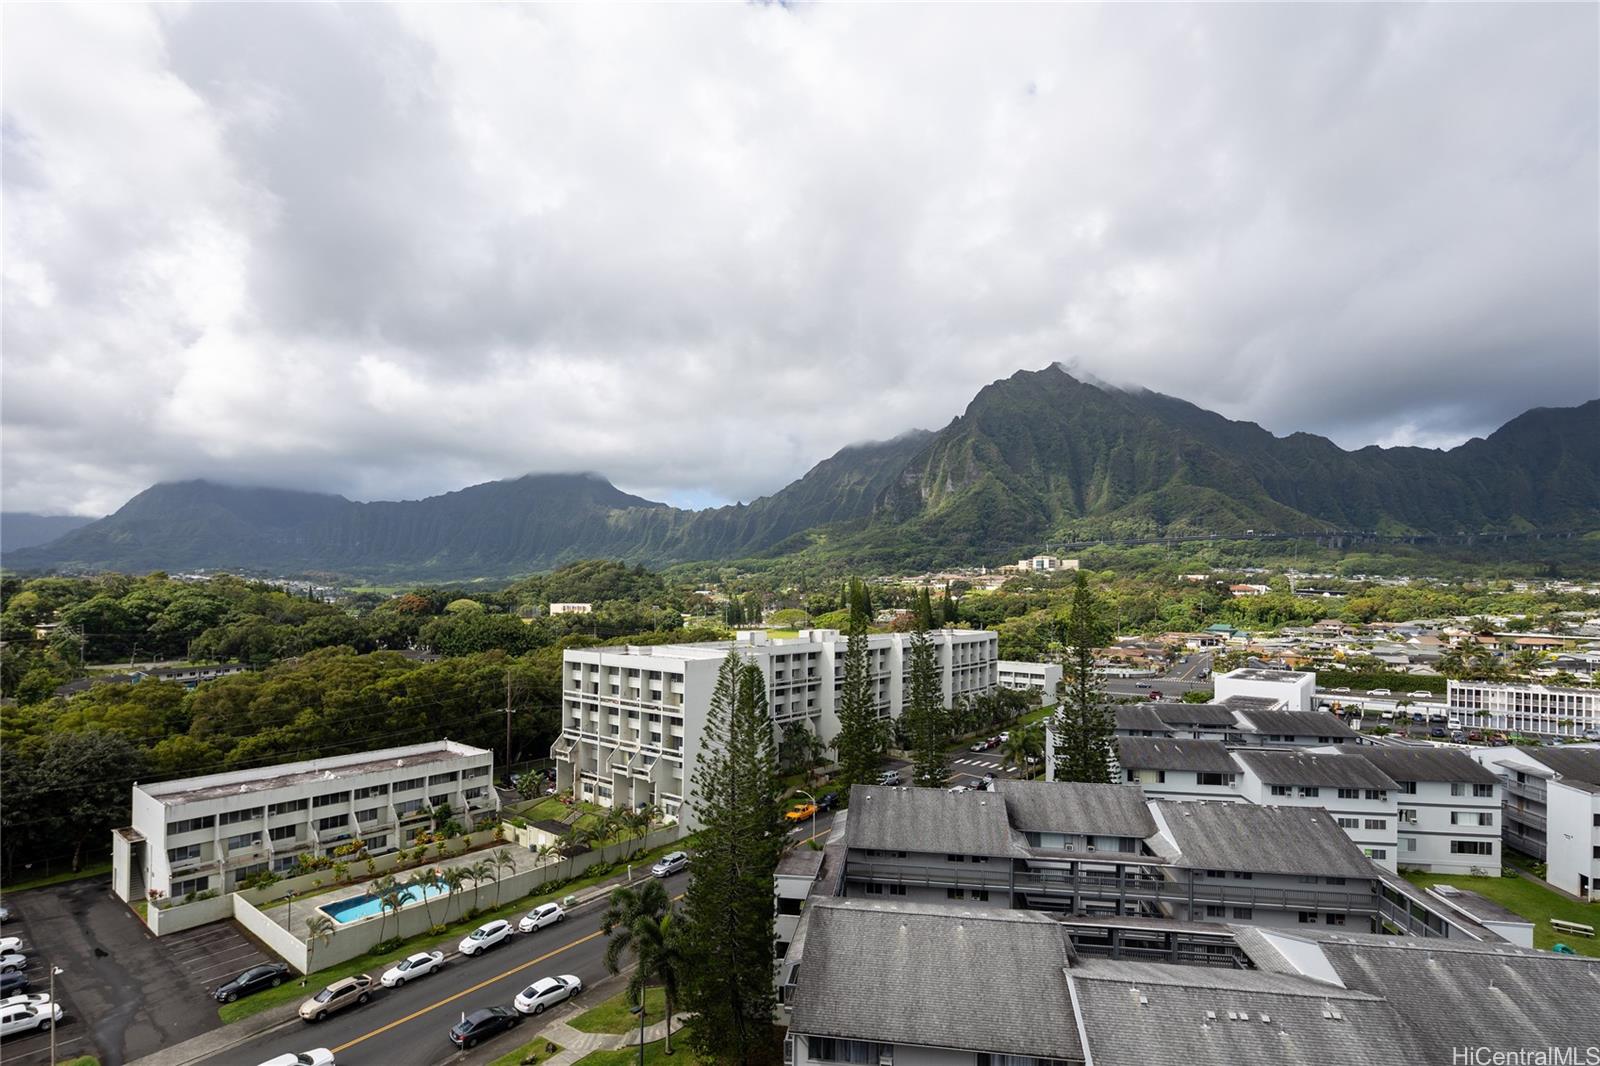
(1540, 709)
(1185, 785)
(1573, 836)
(1379, 843)
(1029, 677)
(903, 1055)
(1434, 816)
(219, 863)
(1297, 693)
(632, 717)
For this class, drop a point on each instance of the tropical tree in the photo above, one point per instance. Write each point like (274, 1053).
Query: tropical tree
(503, 864)
(1082, 723)
(924, 714)
(380, 891)
(319, 930)
(859, 743)
(424, 881)
(454, 878)
(485, 869)
(728, 906)
(642, 921)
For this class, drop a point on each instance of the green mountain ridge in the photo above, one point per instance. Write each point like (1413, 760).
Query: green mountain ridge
(1035, 457)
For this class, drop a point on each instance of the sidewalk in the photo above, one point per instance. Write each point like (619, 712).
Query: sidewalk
(575, 1043)
(227, 1037)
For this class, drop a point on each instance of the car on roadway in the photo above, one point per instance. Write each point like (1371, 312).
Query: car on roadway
(1458, 737)
(317, 1056)
(412, 967)
(1342, 688)
(1380, 692)
(6, 913)
(13, 962)
(1477, 737)
(345, 992)
(482, 1024)
(827, 802)
(29, 1017)
(267, 975)
(801, 813)
(12, 982)
(889, 777)
(1141, 684)
(485, 937)
(980, 746)
(670, 864)
(1438, 731)
(547, 992)
(1591, 734)
(542, 915)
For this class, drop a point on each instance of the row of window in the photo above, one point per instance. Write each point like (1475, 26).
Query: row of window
(1356, 823)
(1314, 791)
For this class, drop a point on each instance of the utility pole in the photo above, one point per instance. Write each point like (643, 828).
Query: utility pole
(509, 712)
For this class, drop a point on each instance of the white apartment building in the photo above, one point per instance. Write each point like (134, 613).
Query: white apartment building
(1179, 769)
(1295, 690)
(1520, 708)
(1029, 677)
(571, 608)
(1552, 809)
(1448, 808)
(210, 833)
(1360, 797)
(1574, 835)
(632, 717)
(1045, 564)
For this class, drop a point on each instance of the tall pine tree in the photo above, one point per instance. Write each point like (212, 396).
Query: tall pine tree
(925, 619)
(951, 616)
(925, 714)
(1082, 723)
(728, 916)
(860, 742)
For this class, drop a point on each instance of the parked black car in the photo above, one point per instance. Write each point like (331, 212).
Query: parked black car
(827, 802)
(267, 975)
(482, 1024)
(12, 983)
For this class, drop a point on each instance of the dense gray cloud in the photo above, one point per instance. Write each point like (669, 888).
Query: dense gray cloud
(392, 251)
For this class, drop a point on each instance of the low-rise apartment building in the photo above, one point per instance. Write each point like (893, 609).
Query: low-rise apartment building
(1295, 690)
(1179, 769)
(1539, 710)
(1029, 677)
(632, 717)
(1552, 809)
(1358, 796)
(1234, 725)
(209, 833)
(1447, 808)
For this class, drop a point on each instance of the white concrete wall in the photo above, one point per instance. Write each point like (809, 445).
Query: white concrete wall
(1424, 842)
(1298, 694)
(178, 917)
(290, 948)
(1572, 837)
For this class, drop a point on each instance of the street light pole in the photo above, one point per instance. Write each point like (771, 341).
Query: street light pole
(813, 801)
(52, 1008)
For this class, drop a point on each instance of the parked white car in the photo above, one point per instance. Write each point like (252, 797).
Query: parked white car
(317, 1056)
(37, 999)
(10, 945)
(670, 864)
(412, 967)
(485, 937)
(541, 916)
(547, 992)
(13, 962)
(27, 1017)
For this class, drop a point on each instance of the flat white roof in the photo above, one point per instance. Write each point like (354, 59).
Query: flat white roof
(283, 775)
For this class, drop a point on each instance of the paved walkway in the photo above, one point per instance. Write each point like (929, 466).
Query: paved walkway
(575, 1043)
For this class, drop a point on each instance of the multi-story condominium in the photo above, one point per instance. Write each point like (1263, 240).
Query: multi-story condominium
(1029, 677)
(1294, 690)
(1447, 806)
(1552, 809)
(1518, 708)
(632, 717)
(1360, 798)
(896, 983)
(210, 833)
(1179, 769)
(1253, 727)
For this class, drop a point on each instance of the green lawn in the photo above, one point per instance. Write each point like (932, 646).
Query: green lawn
(291, 991)
(534, 1051)
(94, 869)
(654, 1054)
(613, 1015)
(1534, 902)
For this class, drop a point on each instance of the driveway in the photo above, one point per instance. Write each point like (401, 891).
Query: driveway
(126, 992)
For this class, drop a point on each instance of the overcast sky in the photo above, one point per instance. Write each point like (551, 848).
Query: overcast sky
(390, 252)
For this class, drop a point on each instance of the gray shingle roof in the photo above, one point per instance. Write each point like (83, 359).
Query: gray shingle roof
(1141, 1013)
(1426, 764)
(1063, 807)
(1196, 714)
(1296, 723)
(1242, 836)
(1159, 753)
(978, 980)
(1580, 764)
(930, 820)
(1309, 768)
(1140, 716)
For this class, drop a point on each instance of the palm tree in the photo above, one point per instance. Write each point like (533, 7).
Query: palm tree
(658, 943)
(625, 907)
(574, 840)
(319, 930)
(640, 920)
(380, 890)
(1015, 750)
(422, 881)
(485, 869)
(503, 864)
(453, 877)
(392, 899)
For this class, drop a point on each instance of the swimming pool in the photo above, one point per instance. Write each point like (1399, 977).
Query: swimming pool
(357, 907)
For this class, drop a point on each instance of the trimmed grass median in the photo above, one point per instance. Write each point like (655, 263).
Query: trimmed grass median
(1534, 902)
(614, 1016)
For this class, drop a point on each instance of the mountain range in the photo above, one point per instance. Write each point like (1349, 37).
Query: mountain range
(1036, 456)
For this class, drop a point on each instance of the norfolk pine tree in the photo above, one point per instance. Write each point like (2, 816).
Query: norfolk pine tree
(925, 714)
(1082, 724)
(728, 916)
(860, 741)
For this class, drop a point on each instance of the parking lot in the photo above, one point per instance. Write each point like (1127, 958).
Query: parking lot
(126, 993)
